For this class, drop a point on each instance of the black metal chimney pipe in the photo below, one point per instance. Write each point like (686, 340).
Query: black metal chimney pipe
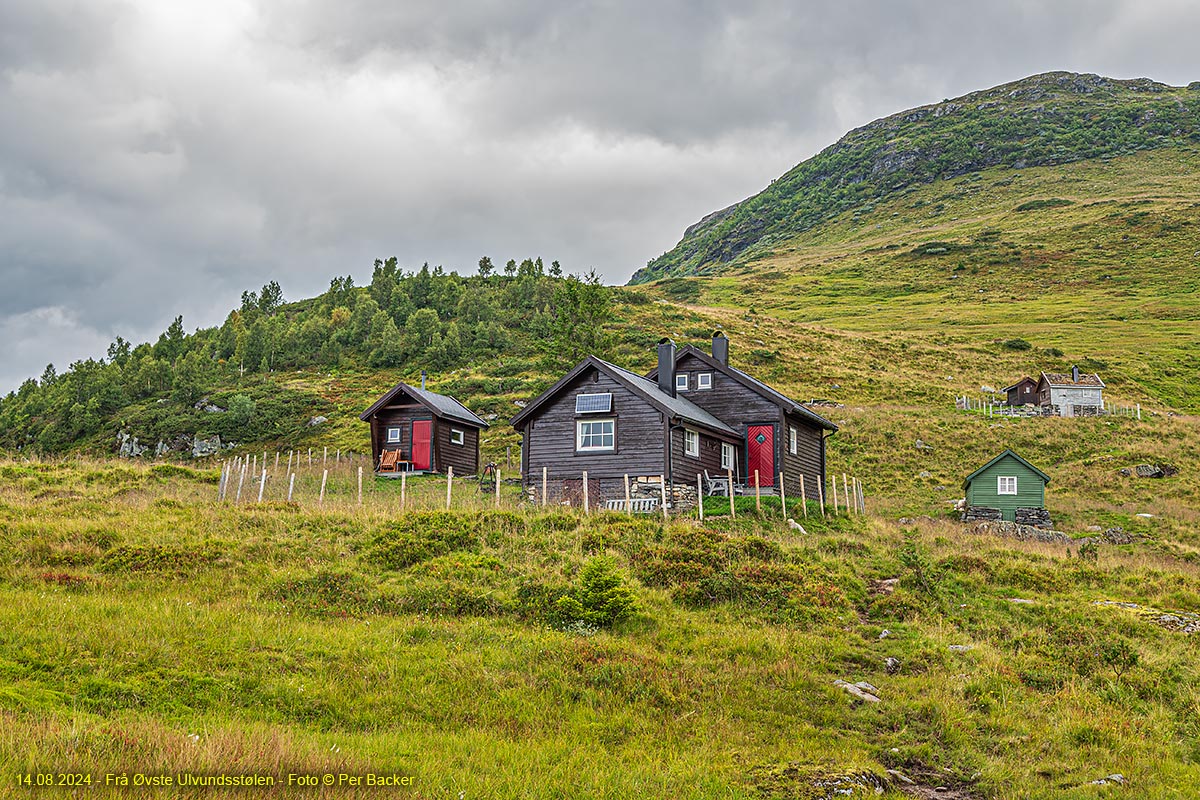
(666, 366)
(720, 348)
(422, 379)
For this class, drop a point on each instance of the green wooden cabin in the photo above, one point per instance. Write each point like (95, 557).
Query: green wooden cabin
(1007, 482)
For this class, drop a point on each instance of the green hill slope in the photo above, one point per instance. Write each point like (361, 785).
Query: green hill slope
(1050, 119)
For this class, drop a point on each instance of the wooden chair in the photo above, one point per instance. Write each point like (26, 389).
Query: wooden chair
(388, 460)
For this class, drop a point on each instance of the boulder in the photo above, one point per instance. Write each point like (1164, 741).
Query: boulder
(796, 526)
(318, 420)
(891, 665)
(203, 404)
(862, 690)
(203, 448)
(1149, 471)
(128, 447)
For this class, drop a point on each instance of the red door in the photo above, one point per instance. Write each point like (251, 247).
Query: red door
(420, 443)
(760, 450)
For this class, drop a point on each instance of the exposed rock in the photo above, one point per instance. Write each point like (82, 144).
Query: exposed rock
(203, 404)
(924, 474)
(1125, 472)
(318, 420)
(1118, 536)
(491, 417)
(1024, 533)
(920, 445)
(987, 389)
(862, 690)
(128, 447)
(1144, 515)
(796, 526)
(891, 665)
(1148, 471)
(161, 449)
(960, 648)
(202, 448)
(1020, 601)
(885, 586)
(814, 783)
(1093, 529)
(520, 403)
(1116, 778)
(883, 634)
(1177, 621)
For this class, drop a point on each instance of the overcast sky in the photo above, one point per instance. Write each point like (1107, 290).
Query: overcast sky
(157, 158)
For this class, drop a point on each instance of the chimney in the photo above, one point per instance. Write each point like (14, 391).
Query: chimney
(422, 379)
(720, 350)
(1075, 374)
(666, 366)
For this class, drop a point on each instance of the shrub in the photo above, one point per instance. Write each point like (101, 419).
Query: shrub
(1017, 344)
(1036, 205)
(158, 558)
(418, 537)
(600, 597)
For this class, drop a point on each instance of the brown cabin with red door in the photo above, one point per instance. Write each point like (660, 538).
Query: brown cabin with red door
(691, 415)
(423, 432)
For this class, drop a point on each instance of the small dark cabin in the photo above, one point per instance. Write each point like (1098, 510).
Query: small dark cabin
(431, 431)
(1023, 392)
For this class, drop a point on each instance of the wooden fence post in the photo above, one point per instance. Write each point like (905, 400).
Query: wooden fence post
(310, 456)
(324, 478)
(782, 495)
(449, 485)
(700, 494)
(325, 457)
(846, 493)
(757, 495)
(241, 481)
(289, 469)
(835, 497)
(803, 497)
(663, 484)
(497, 487)
(586, 509)
(262, 485)
(221, 484)
(732, 507)
(508, 456)
(403, 481)
(628, 499)
(821, 493)
(360, 486)
(291, 486)
(277, 461)
(545, 487)
(1139, 412)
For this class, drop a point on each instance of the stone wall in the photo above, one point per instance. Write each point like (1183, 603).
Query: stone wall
(981, 514)
(1035, 517)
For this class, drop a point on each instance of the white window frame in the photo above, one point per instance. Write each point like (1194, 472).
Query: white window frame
(704, 380)
(1003, 482)
(792, 440)
(681, 382)
(579, 434)
(691, 443)
(728, 456)
(457, 436)
(393, 434)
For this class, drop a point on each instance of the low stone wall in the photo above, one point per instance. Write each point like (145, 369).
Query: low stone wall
(1035, 517)
(981, 513)
(1027, 533)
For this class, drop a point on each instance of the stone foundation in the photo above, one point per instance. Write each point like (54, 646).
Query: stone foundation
(982, 514)
(1034, 517)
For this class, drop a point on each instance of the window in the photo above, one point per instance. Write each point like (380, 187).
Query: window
(393, 435)
(456, 436)
(791, 440)
(704, 380)
(727, 456)
(691, 443)
(593, 403)
(681, 383)
(595, 435)
(1006, 484)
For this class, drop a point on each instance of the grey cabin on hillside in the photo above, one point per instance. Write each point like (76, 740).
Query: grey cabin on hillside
(1008, 487)
(691, 415)
(1022, 393)
(423, 431)
(1071, 394)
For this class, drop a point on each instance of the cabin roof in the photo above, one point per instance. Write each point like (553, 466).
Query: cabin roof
(1026, 379)
(752, 383)
(1008, 452)
(1066, 380)
(678, 407)
(439, 404)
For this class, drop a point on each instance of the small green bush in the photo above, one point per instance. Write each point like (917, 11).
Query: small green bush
(600, 598)
(1017, 344)
(1037, 205)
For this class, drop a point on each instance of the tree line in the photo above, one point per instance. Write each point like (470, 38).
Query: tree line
(423, 318)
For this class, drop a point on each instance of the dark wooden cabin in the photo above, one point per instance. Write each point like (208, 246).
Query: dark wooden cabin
(431, 431)
(692, 414)
(1023, 392)
(611, 422)
(775, 433)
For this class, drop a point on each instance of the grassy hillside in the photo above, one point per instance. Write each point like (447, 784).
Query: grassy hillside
(1050, 119)
(191, 637)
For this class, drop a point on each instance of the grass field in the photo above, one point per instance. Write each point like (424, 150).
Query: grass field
(144, 628)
